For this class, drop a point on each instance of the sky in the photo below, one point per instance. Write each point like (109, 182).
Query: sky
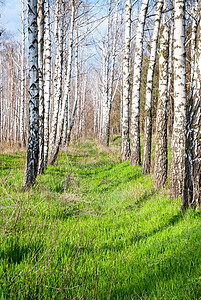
(10, 17)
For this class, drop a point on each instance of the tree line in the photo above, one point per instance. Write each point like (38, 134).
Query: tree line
(99, 68)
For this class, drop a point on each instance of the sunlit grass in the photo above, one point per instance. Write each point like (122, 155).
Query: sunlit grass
(94, 228)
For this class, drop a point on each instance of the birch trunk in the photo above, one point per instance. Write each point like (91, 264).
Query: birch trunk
(65, 103)
(33, 139)
(106, 105)
(135, 158)
(149, 88)
(125, 144)
(70, 126)
(193, 39)
(178, 138)
(41, 88)
(160, 166)
(22, 130)
(187, 199)
(47, 79)
(108, 69)
(197, 125)
(58, 73)
(170, 83)
(192, 190)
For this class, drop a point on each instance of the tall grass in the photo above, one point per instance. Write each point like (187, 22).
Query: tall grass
(94, 228)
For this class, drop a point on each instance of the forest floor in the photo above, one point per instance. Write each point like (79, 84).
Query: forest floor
(94, 228)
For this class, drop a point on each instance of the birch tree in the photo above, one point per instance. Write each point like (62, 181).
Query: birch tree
(22, 106)
(149, 88)
(197, 126)
(41, 88)
(71, 123)
(125, 144)
(192, 180)
(109, 54)
(135, 158)
(178, 138)
(58, 72)
(65, 102)
(47, 78)
(170, 81)
(160, 165)
(33, 138)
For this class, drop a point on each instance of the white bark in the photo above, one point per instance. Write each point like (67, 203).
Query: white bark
(108, 68)
(135, 107)
(58, 73)
(67, 81)
(170, 109)
(149, 89)
(70, 125)
(22, 106)
(197, 124)
(47, 79)
(178, 138)
(33, 139)
(193, 39)
(41, 82)
(125, 144)
(160, 165)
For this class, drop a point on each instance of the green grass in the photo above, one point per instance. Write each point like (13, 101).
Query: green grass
(94, 228)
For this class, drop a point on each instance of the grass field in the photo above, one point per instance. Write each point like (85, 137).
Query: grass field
(94, 228)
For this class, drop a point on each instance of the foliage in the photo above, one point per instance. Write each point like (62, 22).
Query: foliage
(94, 228)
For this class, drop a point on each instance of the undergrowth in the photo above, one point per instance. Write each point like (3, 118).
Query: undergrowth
(94, 228)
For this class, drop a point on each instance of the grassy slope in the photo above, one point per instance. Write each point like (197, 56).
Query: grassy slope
(94, 228)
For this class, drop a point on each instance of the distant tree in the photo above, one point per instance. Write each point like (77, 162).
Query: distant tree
(22, 104)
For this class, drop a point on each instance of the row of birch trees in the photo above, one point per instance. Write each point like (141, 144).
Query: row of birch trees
(126, 67)
(170, 37)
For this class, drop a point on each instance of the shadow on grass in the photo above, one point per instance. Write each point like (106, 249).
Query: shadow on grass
(165, 276)
(17, 253)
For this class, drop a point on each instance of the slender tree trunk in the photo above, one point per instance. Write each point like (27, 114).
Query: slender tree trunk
(192, 187)
(187, 199)
(197, 126)
(125, 144)
(135, 158)
(47, 79)
(170, 83)
(160, 166)
(106, 105)
(149, 88)
(58, 73)
(70, 126)
(22, 106)
(33, 139)
(41, 82)
(193, 40)
(179, 128)
(65, 103)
